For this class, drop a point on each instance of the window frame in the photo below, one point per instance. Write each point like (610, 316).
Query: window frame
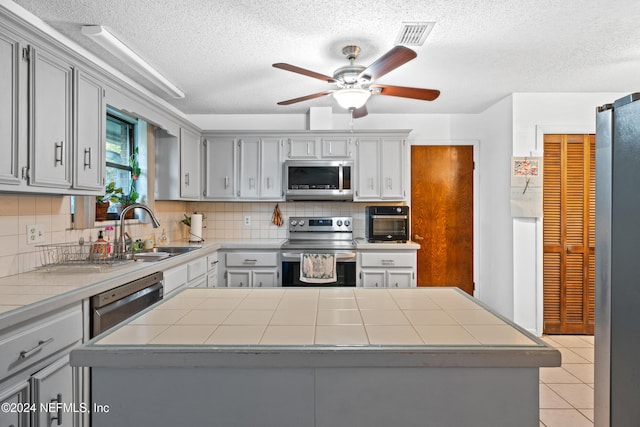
(133, 143)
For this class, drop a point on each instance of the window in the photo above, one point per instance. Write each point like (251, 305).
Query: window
(121, 143)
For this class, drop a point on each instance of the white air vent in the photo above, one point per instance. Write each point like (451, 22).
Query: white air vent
(414, 33)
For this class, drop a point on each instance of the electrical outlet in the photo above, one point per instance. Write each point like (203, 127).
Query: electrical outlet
(247, 220)
(35, 234)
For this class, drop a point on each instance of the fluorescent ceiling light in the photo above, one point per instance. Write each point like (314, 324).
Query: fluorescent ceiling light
(351, 98)
(108, 41)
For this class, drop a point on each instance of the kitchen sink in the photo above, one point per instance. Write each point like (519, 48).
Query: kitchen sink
(162, 252)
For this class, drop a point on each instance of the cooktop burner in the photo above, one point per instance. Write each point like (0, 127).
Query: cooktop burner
(320, 233)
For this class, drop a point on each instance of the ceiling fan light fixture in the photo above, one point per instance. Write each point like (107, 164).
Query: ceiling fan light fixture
(351, 98)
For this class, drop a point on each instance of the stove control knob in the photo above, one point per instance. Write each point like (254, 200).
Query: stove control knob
(301, 222)
(347, 222)
(339, 223)
(399, 209)
(293, 223)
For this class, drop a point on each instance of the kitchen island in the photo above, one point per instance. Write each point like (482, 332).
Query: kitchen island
(316, 357)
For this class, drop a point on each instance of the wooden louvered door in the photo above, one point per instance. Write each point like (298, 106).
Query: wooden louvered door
(569, 234)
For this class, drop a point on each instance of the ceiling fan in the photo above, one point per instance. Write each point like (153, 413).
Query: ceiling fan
(356, 82)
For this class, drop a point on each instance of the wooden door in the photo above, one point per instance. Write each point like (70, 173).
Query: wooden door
(442, 214)
(569, 234)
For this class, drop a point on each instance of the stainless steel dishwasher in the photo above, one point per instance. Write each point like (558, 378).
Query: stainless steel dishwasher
(116, 305)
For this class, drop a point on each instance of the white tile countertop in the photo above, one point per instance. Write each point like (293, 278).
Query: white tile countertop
(444, 323)
(24, 296)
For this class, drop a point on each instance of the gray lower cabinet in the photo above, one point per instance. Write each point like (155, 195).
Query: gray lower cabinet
(36, 381)
(392, 269)
(11, 400)
(258, 269)
(52, 389)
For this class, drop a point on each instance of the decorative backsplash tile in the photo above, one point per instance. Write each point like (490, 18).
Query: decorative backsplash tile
(224, 220)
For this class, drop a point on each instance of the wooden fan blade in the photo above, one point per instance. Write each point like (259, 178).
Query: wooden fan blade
(304, 72)
(360, 112)
(305, 98)
(407, 92)
(388, 62)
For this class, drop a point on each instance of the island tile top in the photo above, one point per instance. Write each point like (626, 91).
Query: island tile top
(313, 316)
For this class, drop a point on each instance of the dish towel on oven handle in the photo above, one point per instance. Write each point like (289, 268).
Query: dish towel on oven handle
(318, 268)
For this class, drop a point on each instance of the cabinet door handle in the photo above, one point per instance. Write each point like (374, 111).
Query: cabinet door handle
(186, 179)
(58, 416)
(330, 147)
(59, 149)
(226, 182)
(268, 182)
(87, 158)
(25, 354)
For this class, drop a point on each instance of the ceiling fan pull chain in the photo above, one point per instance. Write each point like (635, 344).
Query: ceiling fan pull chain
(351, 114)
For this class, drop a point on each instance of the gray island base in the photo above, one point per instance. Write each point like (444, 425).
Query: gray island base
(363, 357)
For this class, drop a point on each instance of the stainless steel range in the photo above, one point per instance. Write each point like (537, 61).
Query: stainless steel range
(331, 235)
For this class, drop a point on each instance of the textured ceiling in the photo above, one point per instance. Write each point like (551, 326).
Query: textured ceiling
(219, 52)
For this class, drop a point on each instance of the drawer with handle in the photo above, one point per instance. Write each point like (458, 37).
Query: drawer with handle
(387, 259)
(250, 259)
(25, 346)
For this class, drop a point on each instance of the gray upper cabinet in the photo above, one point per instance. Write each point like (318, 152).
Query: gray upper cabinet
(220, 160)
(302, 147)
(50, 83)
(9, 70)
(271, 169)
(89, 147)
(189, 164)
(336, 148)
(381, 168)
(249, 155)
(177, 165)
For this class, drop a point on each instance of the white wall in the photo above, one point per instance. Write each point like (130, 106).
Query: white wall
(493, 129)
(533, 116)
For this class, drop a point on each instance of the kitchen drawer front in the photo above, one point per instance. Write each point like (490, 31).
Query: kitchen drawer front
(174, 278)
(24, 347)
(196, 268)
(251, 259)
(212, 261)
(376, 259)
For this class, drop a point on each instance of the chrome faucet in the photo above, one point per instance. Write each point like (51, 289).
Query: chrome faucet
(121, 244)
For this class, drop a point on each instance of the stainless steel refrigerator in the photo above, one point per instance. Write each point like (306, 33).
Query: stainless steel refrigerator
(617, 316)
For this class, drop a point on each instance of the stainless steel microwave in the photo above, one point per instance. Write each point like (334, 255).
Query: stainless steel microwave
(318, 180)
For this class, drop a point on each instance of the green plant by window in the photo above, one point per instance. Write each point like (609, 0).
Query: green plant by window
(132, 197)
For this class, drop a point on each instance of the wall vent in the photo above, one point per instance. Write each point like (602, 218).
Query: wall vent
(414, 33)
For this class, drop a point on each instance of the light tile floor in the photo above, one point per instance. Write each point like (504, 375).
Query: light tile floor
(566, 392)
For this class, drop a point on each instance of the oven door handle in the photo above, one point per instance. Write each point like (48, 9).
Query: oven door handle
(339, 257)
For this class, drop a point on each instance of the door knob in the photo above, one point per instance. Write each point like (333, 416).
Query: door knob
(417, 237)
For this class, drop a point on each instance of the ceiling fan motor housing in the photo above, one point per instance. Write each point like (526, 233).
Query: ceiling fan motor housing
(347, 76)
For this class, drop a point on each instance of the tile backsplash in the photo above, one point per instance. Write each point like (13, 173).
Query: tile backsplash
(224, 220)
